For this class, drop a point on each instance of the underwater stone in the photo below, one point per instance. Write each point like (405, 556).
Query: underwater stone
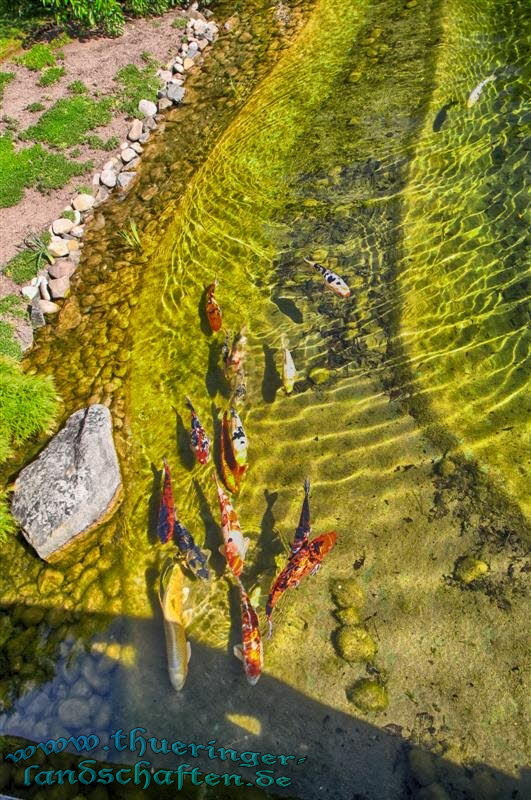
(349, 616)
(347, 592)
(355, 644)
(73, 486)
(83, 201)
(125, 178)
(69, 316)
(49, 580)
(74, 713)
(468, 569)
(368, 695)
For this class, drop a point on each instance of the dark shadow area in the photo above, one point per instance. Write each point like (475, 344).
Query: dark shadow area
(215, 379)
(182, 437)
(286, 306)
(268, 544)
(271, 381)
(201, 313)
(344, 756)
(153, 506)
(212, 531)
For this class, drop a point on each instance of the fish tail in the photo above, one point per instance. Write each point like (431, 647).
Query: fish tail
(269, 626)
(307, 487)
(284, 341)
(188, 403)
(309, 261)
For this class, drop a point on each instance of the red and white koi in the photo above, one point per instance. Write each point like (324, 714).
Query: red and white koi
(199, 441)
(251, 650)
(289, 371)
(213, 310)
(235, 356)
(332, 280)
(306, 561)
(238, 438)
(166, 520)
(235, 545)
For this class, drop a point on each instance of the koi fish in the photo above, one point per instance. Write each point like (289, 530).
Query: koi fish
(199, 441)
(238, 438)
(196, 559)
(333, 281)
(475, 94)
(240, 389)
(289, 372)
(171, 596)
(213, 310)
(251, 650)
(304, 527)
(235, 357)
(231, 472)
(306, 561)
(235, 545)
(166, 518)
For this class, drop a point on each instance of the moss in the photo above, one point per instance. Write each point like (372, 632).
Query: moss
(355, 644)
(34, 107)
(347, 592)
(38, 57)
(136, 84)
(97, 143)
(77, 87)
(9, 347)
(368, 695)
(33, 166)
(348, 616)
(5, 77)
(7, 523)
(66, 123)
(13, 305)
(51, 75)
(468, 569)
(22, 267)
(319, 375)
(28, 404)
(68, 215)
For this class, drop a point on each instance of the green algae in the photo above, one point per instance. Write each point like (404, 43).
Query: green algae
(468, 569)
(369, 696)
(355, 644)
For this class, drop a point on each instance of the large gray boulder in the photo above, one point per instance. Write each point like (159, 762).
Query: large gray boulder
(73, 486)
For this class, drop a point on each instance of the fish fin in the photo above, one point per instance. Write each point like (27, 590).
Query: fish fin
(188, 651)
(284, 341)
(269, 628)
(238, 651)
(221, 549)
(188, 403)
(307, 486)
(309, 261)
(246, 543)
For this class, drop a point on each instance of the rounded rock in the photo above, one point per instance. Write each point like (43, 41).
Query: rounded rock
(368, 696)
(355, 644)
(147, 108)
(348, 616)
(83, 202)
(74, 713)
(347, 592)
(468, 569)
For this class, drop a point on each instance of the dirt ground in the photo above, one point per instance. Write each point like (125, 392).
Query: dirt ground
(94, 62)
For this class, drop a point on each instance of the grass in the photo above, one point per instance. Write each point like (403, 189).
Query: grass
(37, 57)
(5, 77)
(34, 107)
(180, 22)
(84, 189)
(9, 347)
(22, 267)
(97, 143)
(12, 305)
(51, 75)
(131, 236)
(7, 523)
(67, 121)
(33, 166)
(28, 404)
(77, 87)
(136, 85)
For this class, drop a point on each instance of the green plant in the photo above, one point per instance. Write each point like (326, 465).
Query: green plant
(131, 236)
(12, 305)
(68, 215)
(28, 404)
(60, 41)
(107, 14)
(39, 246)
(137, 84)
(7, 523)
(51, 75)
(5, 77)
(12, 124)
(37, 57)
(22, 267)
(33, 166)
(180, 22)
(84, 189)
(33, 107)
(77, 87)
(75, 152)
(68, 120)
(9, 347)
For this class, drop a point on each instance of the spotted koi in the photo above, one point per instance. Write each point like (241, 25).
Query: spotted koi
(196, 559)
(199, 441)
(235, 545)
(333, 281)
(238, 438)
(166, 518)
(251, 650)
(289, 371)
(213, 310)
(234, 356)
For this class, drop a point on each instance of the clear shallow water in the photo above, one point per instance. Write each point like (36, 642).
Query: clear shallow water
(327, 156)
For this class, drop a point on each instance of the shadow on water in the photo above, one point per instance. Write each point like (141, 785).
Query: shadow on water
(265, 557)
(214, 379)
(153, 505)
(201, 312)
(271, 381)
(182, 436)
(344, 753)
(212, 531)
(286, 306)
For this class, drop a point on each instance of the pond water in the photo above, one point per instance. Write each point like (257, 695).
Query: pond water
(339, 132)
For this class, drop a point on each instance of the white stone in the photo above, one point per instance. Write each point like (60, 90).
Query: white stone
(203, 43)
(137, 147)
(128, 154)
(62, 225)
(83, 202)
(135, 131)
(47, 307)
(58, 247)
(78, 231)
(164, 74)
(96, 179)
(110, 164)
(108, 178)
(188, 63)
(175, 93)
(178, 67)
(125, 178)
(147, 108)
(30, 291)
(43, 289)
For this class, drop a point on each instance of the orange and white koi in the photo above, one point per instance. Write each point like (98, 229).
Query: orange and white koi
(231, 473)
(199, 441)
(213, 310)
(235, 356)
(166, 520)
(332, 280)
(251, 650)
(239, 392)
(171, 596)
(235, 545)
(289, 371)
(306, 561)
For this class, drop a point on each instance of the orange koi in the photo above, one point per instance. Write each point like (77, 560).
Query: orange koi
(251, 650)
(166, 520)
(213, 310)
(235, 545)
(305, 561)
(231, 472)
(199, 441)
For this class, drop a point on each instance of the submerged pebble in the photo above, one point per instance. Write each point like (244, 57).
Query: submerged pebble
(347, 592)
(368, 695)
(348, 616)
(468, 569)
(355, 644)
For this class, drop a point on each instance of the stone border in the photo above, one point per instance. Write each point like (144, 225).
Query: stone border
(118, 172)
